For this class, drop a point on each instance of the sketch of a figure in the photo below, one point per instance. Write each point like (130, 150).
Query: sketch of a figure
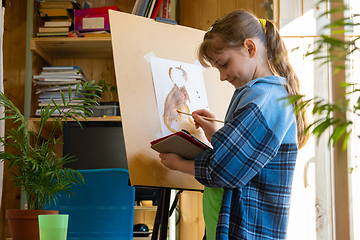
(178, 86)
(177, 99)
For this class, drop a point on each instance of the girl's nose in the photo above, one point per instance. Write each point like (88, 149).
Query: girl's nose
(223, 75)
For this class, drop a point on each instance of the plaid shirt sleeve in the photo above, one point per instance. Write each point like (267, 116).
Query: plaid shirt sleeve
(241, 149)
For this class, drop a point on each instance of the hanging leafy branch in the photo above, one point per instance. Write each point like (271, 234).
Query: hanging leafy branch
(331, 115)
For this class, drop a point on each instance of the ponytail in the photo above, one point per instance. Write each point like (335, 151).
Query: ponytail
(279, 63)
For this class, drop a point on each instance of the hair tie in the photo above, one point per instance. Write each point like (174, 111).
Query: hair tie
(263, 22)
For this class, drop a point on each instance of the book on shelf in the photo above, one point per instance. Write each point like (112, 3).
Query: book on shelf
(136, 5)
(149, 8)
(53, 23)
(57, 113)
(63, 74)
(45, 102)
(45, 98)
(141, 10)
(60, 4)
(57, 73)
(58, 82)
(61, 68)
(60, 73)
(165, 9)
(181, 143)
(56, 95)
(52, 34)
(53, 88)
(48, 13)
(54, 83)
(62, 77)
(53, 29)
(156, 9)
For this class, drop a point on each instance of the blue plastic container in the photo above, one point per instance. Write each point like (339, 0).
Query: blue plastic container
(102, 208)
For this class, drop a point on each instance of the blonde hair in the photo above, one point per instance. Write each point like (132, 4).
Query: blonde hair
(231, 30)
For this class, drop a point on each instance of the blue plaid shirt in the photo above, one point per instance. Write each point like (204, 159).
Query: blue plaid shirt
(253, 160)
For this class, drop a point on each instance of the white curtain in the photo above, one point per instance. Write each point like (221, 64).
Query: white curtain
(2, 123)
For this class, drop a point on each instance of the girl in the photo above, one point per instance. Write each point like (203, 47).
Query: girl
(248, 174)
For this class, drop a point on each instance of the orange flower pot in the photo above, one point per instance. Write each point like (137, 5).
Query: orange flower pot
(24, 223)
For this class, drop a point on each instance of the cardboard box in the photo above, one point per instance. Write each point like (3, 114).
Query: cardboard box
(93, 19)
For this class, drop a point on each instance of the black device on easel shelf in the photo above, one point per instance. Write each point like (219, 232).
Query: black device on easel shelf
(96, 145)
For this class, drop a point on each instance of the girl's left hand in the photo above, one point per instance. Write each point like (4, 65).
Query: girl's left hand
(175, 162)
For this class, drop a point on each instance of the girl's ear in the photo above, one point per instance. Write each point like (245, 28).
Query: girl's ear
(250, 47)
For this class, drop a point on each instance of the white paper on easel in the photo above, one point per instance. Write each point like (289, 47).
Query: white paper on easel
(178, 86)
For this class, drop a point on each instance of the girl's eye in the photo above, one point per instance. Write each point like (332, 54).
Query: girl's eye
(224, 65)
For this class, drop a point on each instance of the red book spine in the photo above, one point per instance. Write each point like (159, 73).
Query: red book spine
(166, 9)
(156, 9)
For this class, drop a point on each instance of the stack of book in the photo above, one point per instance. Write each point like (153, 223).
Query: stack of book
(53, 79)
(148, 8)
(58, 17)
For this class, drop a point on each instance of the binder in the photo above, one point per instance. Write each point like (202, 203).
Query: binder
(181, 143)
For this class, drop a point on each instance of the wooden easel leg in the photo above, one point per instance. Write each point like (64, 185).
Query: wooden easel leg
(162, 215)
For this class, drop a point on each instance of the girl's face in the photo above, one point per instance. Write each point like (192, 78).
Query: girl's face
(237, 66)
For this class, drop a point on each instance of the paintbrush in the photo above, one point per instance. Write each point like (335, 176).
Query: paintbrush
(206, 118)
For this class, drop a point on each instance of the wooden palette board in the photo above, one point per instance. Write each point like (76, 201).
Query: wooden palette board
(133, 38)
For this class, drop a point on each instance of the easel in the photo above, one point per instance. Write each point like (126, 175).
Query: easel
(133, 39)
(163, 213)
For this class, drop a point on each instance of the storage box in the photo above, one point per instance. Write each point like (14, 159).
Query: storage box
(93, 19)
(106, 109)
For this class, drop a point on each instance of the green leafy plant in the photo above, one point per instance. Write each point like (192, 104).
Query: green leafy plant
(39, 173)
(105, 87)
(333, 115)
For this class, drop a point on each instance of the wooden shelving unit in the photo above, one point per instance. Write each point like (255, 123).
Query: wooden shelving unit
(65, 47)
(144, 219)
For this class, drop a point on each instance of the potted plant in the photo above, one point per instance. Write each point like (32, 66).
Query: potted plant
(39, 173)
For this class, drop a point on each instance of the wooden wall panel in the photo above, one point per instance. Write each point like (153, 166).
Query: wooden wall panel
(209, 13)
(14, 79)
(192, 16)
(227, 6)
(247, 5)
(192, 226)
(201, 14)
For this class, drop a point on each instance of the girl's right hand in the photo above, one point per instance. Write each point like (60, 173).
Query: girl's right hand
(209, 127)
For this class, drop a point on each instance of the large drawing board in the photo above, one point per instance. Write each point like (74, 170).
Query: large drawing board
(133, 38)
